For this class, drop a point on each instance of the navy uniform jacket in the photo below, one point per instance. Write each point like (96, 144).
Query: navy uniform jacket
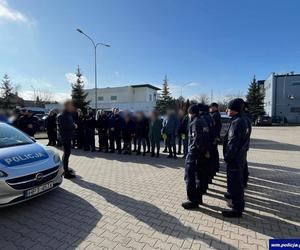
(211, 126)
(89, 123)
(249, 124)
(236, 141)
(198, 138)
(116, 122)
(218, 123)
(102, 123)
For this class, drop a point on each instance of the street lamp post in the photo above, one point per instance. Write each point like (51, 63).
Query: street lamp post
(95, 58)
(184, 85)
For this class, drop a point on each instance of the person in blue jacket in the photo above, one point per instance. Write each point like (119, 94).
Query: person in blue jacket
(235, 146)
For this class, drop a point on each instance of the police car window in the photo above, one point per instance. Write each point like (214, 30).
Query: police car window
(9, 136)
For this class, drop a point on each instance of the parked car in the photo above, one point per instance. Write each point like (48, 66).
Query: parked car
(27, 169)
(263, 120)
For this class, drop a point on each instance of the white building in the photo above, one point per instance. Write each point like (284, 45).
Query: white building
(133, 98)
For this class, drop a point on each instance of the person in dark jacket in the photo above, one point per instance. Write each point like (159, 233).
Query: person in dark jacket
(115, 130)
(66, 127)
(197, 151)
(28, 123)
(51, 128)
(102, 124)
(183, 133)
(171, 131)
(215, 114)
(155, 133)
(141, 132)
(246, 116)
(127, 133)
(79, 131)
(89, 125)
(235, 146)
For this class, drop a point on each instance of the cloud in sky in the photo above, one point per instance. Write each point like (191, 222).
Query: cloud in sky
(71, 78)
(6, 12)
(55, 96)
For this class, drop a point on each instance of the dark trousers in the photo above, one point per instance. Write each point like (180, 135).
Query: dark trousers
(235, 185)
(148, 143)
(66, 143)
(155, 144)
(171, 143)
(127, 145)
(246, 171)
(52, 137)
(115, 138)
(215, 158)
(89, 140)
(192, 179)
(103, 140)
(141, 141)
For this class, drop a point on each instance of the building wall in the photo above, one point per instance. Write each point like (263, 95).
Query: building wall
(282, 98)
(125, 98)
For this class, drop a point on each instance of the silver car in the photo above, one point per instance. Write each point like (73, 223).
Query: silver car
(27, 169)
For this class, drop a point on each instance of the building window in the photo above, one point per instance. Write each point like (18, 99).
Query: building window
(296, 84)
(150, 97)
(100, 98)
(154, 97)
(113, 98)
(295, 109)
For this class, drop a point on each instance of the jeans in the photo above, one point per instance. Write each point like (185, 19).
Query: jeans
(171, 143)
(141, 141)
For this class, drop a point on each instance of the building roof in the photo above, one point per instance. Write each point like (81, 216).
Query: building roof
(145, 86)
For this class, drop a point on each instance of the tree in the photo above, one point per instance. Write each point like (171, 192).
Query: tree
(78, 95)
(7, 93)
(202, 98)
(165, 101)
(255, 99)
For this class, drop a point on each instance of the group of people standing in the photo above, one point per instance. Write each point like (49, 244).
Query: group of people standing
(126, 133)
(197, 134)
(202, 160)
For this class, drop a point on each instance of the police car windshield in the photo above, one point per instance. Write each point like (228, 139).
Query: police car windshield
(9, 137)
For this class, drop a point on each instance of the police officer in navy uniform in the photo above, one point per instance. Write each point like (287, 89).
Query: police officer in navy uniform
(208, 171)
(246, 116)
(215, 115)
(197, 150)
(235, 146)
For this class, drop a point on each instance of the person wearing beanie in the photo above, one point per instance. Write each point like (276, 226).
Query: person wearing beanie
(235, 146)
(215, 115)
(197, 149)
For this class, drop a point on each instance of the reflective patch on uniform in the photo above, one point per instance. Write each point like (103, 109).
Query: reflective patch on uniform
(206, 129)
(193, 134)
(230, 133)
(247, 131)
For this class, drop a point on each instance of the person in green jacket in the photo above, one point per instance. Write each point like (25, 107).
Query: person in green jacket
(155, 133)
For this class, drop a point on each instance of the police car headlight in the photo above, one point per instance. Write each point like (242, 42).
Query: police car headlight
(56, 158)
(3, 174)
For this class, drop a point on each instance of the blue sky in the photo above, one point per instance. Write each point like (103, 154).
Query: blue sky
(215, 44)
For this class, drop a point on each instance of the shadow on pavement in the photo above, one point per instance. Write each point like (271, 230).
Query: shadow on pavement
(150, 215)
(57, 219)
(273, 145)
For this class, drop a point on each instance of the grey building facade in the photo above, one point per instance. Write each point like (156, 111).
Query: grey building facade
(282, 96)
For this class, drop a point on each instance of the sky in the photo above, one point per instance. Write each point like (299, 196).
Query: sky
(214, 45)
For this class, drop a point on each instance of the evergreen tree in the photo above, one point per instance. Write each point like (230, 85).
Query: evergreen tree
(165, 101)
(7, 93)
(78, 95)
(255, 99)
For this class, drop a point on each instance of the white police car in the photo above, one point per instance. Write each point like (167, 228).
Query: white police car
(27, 169)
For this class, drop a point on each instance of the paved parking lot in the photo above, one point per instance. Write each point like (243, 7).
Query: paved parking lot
(130, 202)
